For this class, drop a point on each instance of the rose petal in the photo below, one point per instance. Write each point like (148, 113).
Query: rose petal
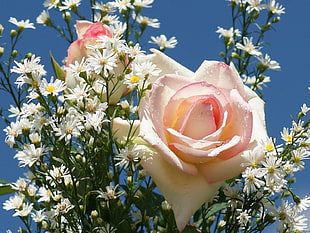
(240, 124)
(220, 75)
(200, 119)
(162, 91)
(81, 27)
(123, 129)
(168, 65)
(195, 156)
(184, 192)
(150, 135)
(198, 89)
(219, 169)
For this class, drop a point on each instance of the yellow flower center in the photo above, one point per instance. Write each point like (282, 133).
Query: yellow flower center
(269, 148)
(134, 79)
(50, 88)
(34, 84)
(289, 138)
(271, 169)
(297, 159)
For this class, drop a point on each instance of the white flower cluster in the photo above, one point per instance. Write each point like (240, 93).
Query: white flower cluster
(107, 12)
(255, 195)
(242, 45)
(58, 126)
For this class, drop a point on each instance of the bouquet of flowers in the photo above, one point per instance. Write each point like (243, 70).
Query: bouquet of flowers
(118, 139)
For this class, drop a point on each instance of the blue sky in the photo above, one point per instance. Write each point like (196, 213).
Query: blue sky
(194, 24)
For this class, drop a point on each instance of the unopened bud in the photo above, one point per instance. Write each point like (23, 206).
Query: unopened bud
(165, 205)
(94, 214)
(13, 33)
(235, 55)
(1, 29)
(1, 51)
(67, 17)
(28, 55)
(276, 19)
(14, 53)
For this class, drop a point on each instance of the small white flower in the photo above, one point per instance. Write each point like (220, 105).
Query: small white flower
(22, 23)
(303, 204)
(102, 61)
(63, 207)
(51, 3)
(254, 5)
(28, 66)
(20, 185)
(146, 21)
(52, 87)
(270, 64)
(248, 47)
(287, 135)
(44, 194)
(110, 193)
(95, 120)
(228, 33)
(122, 5)
(12, 132)
(275, 8)
(129, 156)
(39, 216)
(30, 155)
(24, 210)
(243, 217)
(253, 157)
(143, 3)
(43, 18)
(163, 42)
(272, 167)
(69, 4)
(253, 180)
(77, 68)
(104, 7)
(14, 202)
(79, 92)
(304, 109)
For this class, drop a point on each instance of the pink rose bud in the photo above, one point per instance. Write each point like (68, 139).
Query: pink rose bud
(88, 34)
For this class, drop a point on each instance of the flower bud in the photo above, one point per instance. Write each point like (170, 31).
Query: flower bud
(1, 51)
(235, 55)
(276, 19)
(14, 53)
(67, 16)
(13, 33)
(44, 224)
(94, 214)
(28, 55)
(1, 29)
(165, 205)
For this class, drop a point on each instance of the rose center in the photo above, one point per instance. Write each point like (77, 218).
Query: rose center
(197, 117)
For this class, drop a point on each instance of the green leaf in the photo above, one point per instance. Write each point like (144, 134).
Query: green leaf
(5, 187)
(215, 208)
(59, 72)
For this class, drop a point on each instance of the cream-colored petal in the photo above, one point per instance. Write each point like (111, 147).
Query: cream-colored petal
(220, 75)
(168, 65)
(219, 169)
(149, 133)
(122, 129)
(184, 192)
(163, 89)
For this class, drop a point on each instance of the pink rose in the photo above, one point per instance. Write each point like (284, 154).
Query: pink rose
(88, 34)
(200, 124)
